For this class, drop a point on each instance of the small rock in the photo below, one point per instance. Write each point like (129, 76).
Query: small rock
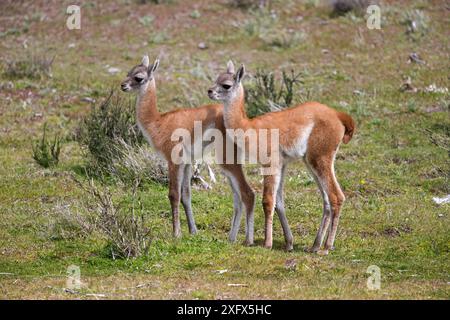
(434, 108)
(442, 200)
(88, 99)
(435, 89)
(414, 57)
(237, 285)
(202, 46)
(408, 87)
(113, 70)
(7, 85)
(290, 264)
(222, 271)
(70, 291)
(71, 45)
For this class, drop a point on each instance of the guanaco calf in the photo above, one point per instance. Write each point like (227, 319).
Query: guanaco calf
(158, 128)
(311, 132)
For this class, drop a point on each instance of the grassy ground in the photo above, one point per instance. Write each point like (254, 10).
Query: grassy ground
(389, 172)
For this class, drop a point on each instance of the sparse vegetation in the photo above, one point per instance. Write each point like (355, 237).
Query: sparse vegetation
(156, 1)
(115, 146)
(285, 39)
(46, 152)
(32, 66)
(125, 231)
(341, 7)
(416, 23)
(247, 4)
(267, 95)
(107, 126)
(136, 164)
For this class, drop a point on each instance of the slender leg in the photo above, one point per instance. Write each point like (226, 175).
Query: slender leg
(243, 197)
(279, 208)
(186, 198)
(248, 202)
(336, 205)
(333, 200)
(176, 173)
(237, 211)
(271, 184)
(326, 211)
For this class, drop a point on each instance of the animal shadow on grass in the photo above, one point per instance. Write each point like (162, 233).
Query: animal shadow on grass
(279, 245)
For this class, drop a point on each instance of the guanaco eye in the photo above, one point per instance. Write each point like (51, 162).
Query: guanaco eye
(138, 79)
(226, 86)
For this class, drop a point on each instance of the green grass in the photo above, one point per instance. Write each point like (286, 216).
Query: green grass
(389, 172)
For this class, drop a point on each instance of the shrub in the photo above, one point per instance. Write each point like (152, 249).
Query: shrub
(284, 39)
(259, 24)
(155, 1)
(342, 7)
(246, 4)
(45, 152)
(104, 127)
(125, 231)
(266, 95)
(416, 22)
(137, 164)
(116, 148)
(31, 66)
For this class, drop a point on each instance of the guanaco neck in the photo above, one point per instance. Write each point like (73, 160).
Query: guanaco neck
(235, 116)
(146, 110)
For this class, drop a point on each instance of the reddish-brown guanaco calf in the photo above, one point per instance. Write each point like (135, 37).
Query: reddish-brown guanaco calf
(311, 132)
(158, 129)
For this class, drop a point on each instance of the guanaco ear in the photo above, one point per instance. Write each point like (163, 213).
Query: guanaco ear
(240, 74)
(154, 66)
(145, 61)
(230, 67)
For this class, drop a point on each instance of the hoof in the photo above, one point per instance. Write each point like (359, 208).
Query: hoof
(311, 249)
(177, 235)
(249, 243)
(289, 247)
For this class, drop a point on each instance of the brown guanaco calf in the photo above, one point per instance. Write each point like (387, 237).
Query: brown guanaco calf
(311, 132)
(158, 129)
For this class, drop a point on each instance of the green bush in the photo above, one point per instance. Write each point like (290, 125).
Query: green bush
(45, 152)
(101, 130)
(125, 231)
(416, 22)
(30, 66)
(342, 7)
(115, 146)
(267, 95)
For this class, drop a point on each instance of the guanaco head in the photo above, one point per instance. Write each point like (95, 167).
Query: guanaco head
(227, 83)
(139, 75)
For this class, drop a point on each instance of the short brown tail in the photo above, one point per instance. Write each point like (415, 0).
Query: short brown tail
(349, 125)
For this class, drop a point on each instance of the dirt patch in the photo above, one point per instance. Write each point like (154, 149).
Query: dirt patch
(389, 232)
(393, 232)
